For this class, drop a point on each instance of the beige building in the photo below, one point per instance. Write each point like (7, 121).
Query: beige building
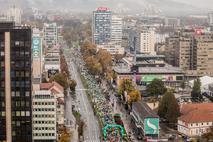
(192, 51)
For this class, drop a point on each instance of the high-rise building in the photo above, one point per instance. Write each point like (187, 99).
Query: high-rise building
(143, 40)
(50, 34)
(15, 83)
(101, 25)
(192, 51)
(116, 30)
(14, 15)
(44, 116)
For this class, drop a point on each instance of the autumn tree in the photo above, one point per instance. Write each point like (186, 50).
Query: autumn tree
(125, 86)
(105, 59)
(134, 96)
(196, 91)
(60, 79)
(64, 135)
(156, 88)
(88, 49)
(72, 84)
(93, 65)
(169, 108)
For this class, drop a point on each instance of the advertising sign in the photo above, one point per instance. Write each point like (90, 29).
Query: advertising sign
(149, 78)
(36, 47)
(151, 126)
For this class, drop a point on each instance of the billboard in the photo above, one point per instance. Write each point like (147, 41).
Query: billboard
(149, 78)
(151, 126)
(36, 47)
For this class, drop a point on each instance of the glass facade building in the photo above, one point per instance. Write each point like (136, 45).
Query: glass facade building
(101, 26)
(15, 83)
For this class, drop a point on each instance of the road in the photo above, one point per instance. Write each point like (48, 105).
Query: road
(91, 131)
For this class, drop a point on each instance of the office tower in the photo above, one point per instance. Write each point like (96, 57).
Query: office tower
(101, 25)
(50, 34)
(44, 116)
(15, 83)
(116, 31)
(14, 15)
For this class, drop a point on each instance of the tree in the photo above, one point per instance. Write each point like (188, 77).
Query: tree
(183, 84)
(72, 84)
(60, 79)
(88, 49)
(104, 58)
(209, 135)
(64, 135)
(93, 65)
(196, 91)
(169, 108)
(125, 86)
(134, 96)
(156, 88)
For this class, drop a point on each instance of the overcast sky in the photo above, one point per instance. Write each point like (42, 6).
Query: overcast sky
(203, 3)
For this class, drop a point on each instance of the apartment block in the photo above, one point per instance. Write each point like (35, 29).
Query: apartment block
(44, 116)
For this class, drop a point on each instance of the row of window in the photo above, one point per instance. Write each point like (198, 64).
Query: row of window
(44, 134)
(43, 115)
(43, 103)
(43, 122)
(44, 128)
(43, 109)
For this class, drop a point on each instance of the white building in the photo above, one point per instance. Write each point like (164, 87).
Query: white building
(145, 41)
(14, 14)
(112, 48)
(116, 30)
(195, 119)
(50, 34)
(44, 116)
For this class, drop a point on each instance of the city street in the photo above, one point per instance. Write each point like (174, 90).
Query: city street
(91, 131)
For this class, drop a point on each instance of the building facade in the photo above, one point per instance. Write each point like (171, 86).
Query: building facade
(192, 51)
(116, 31)
(44, 116)
(143, 41)
(101, 25)
(196, 119)
(14, 15)
(50, 34)
(15, 83)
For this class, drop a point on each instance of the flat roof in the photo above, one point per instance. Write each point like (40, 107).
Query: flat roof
(146, 70)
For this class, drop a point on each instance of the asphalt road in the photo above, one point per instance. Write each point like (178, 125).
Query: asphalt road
(91, 131)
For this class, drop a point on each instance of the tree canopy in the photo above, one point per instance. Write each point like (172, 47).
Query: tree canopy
(196, 91)
(61, 79)
(169, 108)
(125, 85)
(134, 96)
(156, 88)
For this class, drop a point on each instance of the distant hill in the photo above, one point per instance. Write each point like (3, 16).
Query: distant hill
(170, 7)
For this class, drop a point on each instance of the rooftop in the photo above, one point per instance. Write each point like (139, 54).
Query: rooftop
(196, 112)
(145, 70)
(144, 110)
